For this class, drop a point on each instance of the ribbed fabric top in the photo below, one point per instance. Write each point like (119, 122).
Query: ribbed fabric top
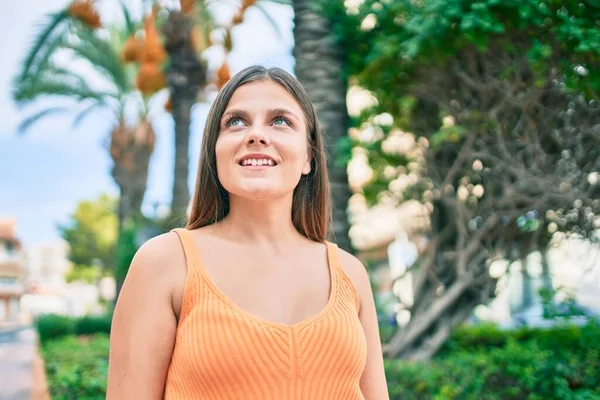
(225, 353)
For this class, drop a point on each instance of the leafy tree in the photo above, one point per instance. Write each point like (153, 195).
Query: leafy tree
(500, 100)
(92, 233)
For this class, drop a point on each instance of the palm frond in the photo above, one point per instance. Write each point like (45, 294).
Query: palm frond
(282, 2)
(86, 111)
(52, 80)
(42, 40)
(102, 56)
(55, 86)
(269, 18)
(204, 18)
(130, 24)
(32, 119)
(44, 59)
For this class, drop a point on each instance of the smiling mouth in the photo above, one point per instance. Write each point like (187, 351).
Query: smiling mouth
(254, 162)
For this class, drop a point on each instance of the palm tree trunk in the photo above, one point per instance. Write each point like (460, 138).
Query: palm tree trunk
(185, 76)
(182, 105)
(319, 67)
(130, 150)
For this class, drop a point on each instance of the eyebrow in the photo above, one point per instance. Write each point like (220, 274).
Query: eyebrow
(241, 113)
(283, 111)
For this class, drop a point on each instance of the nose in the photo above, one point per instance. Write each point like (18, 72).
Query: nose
(256, 137)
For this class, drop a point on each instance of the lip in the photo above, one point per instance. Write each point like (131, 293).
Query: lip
(258, 156)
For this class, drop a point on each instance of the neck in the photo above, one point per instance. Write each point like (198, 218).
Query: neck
(260, 221)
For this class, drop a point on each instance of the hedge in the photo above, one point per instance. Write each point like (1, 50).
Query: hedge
(77, 367)
(53, 326)
(481, 362)
(486, 363)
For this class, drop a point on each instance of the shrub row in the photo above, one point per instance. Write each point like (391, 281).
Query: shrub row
(53, 326)
(487, 363)
(76, 367)
(480, 362)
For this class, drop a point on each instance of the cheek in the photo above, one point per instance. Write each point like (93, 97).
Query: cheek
(296, 151)
(223, 155)
(223, 150)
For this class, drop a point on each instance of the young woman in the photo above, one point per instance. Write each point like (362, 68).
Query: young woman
(250, 301)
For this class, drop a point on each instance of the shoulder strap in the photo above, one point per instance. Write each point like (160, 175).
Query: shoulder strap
(189, 248)
(332, 256)
(334, 265)
(337, 268)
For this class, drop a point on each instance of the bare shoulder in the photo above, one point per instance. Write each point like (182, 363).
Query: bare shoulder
(357, 273)
(161, 248)
(160, 261)
(145, 319)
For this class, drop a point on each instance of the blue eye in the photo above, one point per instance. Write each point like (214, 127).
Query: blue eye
(234, 121)
(281, 121)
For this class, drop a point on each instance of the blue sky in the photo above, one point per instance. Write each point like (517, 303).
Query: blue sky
(45, 173)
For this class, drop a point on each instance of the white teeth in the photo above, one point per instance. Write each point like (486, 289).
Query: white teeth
(256, 162)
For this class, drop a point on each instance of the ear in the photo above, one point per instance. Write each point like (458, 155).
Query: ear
(306, 168)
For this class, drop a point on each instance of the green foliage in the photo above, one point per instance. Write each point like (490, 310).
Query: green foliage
(531, 364)
(83, 273)
(45, 42)
(92, 235)
(410, 34)
(104, 56)
(77, 368)
(126, 248)
(42, 74)
(51, 326)
(89, 325)
(447, 134)
(484, 362)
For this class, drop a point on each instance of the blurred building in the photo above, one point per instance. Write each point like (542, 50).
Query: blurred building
(48, 290)
(47, 266)
(13, 271)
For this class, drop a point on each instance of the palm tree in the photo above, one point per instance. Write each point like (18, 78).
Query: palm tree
(41, 75)
(186, 75)
(186, 33)
(319, 66)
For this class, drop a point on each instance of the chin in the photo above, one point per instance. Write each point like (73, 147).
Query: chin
(256, 192)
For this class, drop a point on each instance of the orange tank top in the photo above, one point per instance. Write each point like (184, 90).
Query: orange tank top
(224, 353)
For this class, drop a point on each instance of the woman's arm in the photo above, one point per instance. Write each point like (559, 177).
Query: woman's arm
(144, 323)
(373, 383)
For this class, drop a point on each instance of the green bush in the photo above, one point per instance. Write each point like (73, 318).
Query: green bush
(53, 326)
(77, 367)
(534, 364)
(90, 325)
(484, 362)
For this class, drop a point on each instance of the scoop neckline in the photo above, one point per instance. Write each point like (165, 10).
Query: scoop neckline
(331, 265)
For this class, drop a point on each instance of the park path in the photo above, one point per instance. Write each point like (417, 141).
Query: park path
(22, 375)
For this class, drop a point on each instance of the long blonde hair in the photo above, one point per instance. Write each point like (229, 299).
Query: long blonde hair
(311, 209)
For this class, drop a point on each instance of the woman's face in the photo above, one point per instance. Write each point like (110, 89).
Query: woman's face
(262, 148)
